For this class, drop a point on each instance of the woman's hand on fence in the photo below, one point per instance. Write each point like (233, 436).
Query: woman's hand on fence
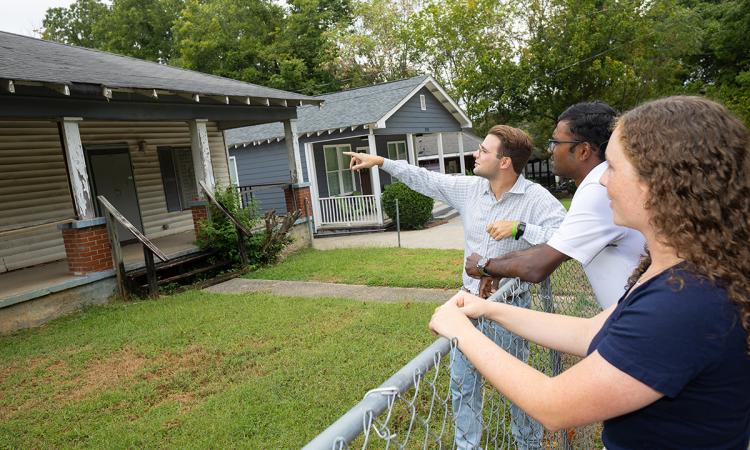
(361, 161)
(471, 305)
(448, 320)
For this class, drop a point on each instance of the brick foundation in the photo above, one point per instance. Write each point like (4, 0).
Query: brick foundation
(200, 212)
(87, 249)
(295, 199)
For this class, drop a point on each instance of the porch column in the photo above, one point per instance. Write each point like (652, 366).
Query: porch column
(375, 174)
(204, 170)
(461, 152)
(80, 188)
(441, 159)
(410, 149)
(292, 148)
(311, 175)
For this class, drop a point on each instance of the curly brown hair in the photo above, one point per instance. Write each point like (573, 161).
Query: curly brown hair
(694, 156)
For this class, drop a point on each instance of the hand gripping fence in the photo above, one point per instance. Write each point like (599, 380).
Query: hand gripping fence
(438, 400)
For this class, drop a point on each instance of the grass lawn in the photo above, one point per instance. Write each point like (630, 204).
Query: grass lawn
(566, 202)
(198, 370)
(395, 267)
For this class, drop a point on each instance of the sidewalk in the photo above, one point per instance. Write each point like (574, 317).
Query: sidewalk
(315, 289)
(447, 236)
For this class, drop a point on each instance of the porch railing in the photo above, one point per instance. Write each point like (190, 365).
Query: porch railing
(356, 209)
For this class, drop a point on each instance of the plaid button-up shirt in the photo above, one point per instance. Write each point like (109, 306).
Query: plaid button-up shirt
(472, 197)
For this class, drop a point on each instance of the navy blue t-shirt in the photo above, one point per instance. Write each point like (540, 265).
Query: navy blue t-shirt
(684, 339)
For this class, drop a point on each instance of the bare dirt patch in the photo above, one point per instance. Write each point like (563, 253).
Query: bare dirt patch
(106, 373)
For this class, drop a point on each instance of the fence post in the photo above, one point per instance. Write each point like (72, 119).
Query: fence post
(310, 219)
(398, 224)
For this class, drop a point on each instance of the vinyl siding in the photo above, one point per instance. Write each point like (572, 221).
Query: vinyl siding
(411, 119)
(34, 186)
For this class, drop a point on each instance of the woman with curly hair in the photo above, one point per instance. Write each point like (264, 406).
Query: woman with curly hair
(668, 366)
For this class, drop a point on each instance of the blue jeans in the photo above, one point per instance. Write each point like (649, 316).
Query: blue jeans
(467, 383)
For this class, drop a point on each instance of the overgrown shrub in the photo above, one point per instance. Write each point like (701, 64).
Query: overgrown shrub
(415, 209)
(219, 233)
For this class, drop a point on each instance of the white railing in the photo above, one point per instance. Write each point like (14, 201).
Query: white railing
(358, 209)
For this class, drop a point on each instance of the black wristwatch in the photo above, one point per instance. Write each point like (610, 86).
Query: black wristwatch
(520, 229)
(481, 264)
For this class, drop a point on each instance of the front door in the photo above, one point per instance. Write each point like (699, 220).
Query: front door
(363, 176)
(112, 176)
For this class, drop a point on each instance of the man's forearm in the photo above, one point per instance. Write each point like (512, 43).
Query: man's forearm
(533, 264)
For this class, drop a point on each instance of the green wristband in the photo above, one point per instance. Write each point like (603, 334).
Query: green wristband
(515, 229)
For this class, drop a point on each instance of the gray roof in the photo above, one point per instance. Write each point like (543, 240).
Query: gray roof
(30, 59)
(340, 110)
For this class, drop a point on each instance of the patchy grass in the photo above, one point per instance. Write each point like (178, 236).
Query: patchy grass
(374, 266)
(200, 370)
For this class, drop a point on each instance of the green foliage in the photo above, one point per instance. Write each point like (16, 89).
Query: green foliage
(393, 267)
(199, 370)
(219, 233)
(415, 209)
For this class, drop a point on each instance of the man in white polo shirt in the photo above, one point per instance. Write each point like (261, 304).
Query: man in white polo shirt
(608, 252)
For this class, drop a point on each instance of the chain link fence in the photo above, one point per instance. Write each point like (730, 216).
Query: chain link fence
(437, 401)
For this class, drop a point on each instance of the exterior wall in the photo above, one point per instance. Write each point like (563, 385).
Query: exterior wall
(157, 221)
(411, 119)
(381, 146)
(34, 186)
(262, 164)
(33, 189)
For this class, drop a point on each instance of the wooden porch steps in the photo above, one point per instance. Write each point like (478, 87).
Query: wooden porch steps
(181, 271)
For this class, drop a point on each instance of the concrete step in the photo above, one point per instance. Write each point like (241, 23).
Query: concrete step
(442, 211)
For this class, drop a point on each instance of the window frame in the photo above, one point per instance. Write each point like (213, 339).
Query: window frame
(341, 171)
(405, 149)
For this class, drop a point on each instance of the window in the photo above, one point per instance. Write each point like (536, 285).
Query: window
(397, 150)
(178, 177)
(339, 178)
(233, 176)
(422, 102)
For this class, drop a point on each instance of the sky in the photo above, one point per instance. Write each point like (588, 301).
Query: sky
(25, 16)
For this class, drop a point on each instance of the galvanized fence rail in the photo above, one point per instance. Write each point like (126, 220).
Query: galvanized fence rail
(414, 407)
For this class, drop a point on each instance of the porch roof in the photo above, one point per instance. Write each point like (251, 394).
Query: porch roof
(76, 70)
(369, 105)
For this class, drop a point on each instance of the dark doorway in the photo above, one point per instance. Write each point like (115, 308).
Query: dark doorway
(112, 176)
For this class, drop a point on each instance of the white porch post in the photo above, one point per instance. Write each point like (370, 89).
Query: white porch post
(204, 170)
(77, 174)
(461, 152)
(441, 159)
(410, 149)
(375, 174)
(292, 148)
(314, 196)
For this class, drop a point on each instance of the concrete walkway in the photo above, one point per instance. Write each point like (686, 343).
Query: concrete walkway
(448, 236)
(348, 291)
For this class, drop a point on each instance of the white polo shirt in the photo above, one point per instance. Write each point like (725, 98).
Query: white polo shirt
(607, 252)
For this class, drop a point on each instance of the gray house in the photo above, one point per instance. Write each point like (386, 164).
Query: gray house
(386, 119)
(76, 123)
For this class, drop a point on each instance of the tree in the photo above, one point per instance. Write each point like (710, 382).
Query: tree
(722, 69)
(576, 50)
(79, 24)
(229, 38)
(377, 45)
(142, 28)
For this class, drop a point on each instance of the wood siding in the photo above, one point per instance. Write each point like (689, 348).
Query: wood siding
(34, 186)
(411, 119)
